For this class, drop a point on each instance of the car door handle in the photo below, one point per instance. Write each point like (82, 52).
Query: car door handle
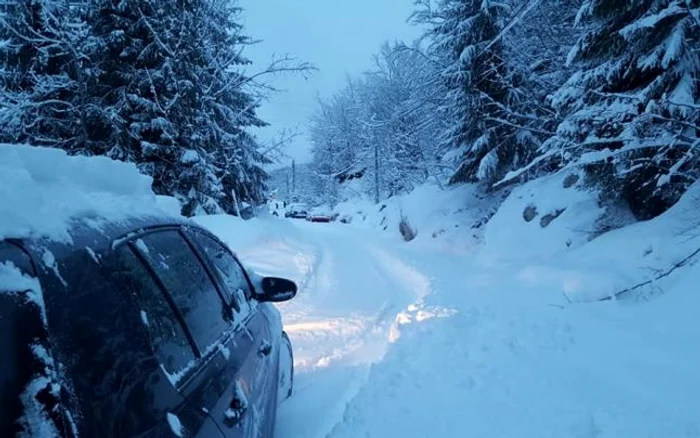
(265, 349)
(233, 416)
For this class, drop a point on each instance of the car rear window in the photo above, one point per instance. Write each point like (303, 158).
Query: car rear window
(189, 285)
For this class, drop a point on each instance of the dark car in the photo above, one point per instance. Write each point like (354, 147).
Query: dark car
(297, 211)
(149, 328)
(319, 217)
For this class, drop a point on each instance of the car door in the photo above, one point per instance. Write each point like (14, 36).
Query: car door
(218, 382)
(237, 286)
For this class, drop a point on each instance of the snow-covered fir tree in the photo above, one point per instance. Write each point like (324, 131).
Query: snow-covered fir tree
(467, 34)
(41, 81)
(159, 84)
(631, 109)
(535, 45)
(173, 100)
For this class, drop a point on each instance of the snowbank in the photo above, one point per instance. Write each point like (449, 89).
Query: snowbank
(451, 218)
(561, 259)
(267, 245)
(43, 189)
(544, 216)
(241, 235)
(500, 350)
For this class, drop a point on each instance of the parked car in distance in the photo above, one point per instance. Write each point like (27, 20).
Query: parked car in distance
(320, 215)
(150, 328)
(297, 211)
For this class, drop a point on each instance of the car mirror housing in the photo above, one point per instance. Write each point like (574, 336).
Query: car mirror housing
(276, 290)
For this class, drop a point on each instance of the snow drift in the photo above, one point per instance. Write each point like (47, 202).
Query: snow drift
(43, 189)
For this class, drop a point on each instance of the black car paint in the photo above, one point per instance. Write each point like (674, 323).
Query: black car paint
(118, 387)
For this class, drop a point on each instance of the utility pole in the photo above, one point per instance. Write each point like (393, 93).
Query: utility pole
(294, 178)
(376, 173)
(289, 194)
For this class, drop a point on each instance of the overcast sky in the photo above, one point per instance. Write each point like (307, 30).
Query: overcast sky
(338, 37)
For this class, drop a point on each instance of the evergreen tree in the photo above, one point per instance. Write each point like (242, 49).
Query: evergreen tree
(467, 34)
(40, 78)
(174, 102)
(632, 114)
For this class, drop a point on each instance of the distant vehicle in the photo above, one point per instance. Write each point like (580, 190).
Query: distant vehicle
(320, 215)
(297, 211)
(158, 329)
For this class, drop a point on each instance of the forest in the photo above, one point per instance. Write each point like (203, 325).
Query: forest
(499, 93)
(493, 93)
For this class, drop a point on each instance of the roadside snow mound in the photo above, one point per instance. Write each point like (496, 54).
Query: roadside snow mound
(452, 218)
(544, 216)
(242, 235)
(561, 261)
(267, 245)
(43, 189)
(623, 259)
(500, 352)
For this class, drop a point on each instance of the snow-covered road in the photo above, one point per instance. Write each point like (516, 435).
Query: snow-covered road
(352, 289)
(397, 340)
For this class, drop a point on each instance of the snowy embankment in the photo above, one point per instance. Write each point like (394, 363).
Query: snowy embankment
(494, 331)
(513, 350)
(512, 357)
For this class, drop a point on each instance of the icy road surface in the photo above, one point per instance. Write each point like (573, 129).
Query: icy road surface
(392, 340)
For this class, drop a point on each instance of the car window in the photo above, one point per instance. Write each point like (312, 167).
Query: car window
(170, 343)
(189, 285)
(229, 269)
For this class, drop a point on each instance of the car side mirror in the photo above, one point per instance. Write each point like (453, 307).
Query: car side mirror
(276, 290)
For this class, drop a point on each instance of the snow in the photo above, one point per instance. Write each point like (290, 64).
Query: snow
(42, 190)
(35, 420)
(234, 414)
(431, 212)
(12, 280)
(141, 245)
(578, 210)
(93, 254)
(144, 318)
(225, 351)
(651, 20)
(189, 157)
(494, 335)
(49, 261)
(483, 316)
(175, 425)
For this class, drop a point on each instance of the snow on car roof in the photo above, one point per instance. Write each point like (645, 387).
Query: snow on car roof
(43, 189)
